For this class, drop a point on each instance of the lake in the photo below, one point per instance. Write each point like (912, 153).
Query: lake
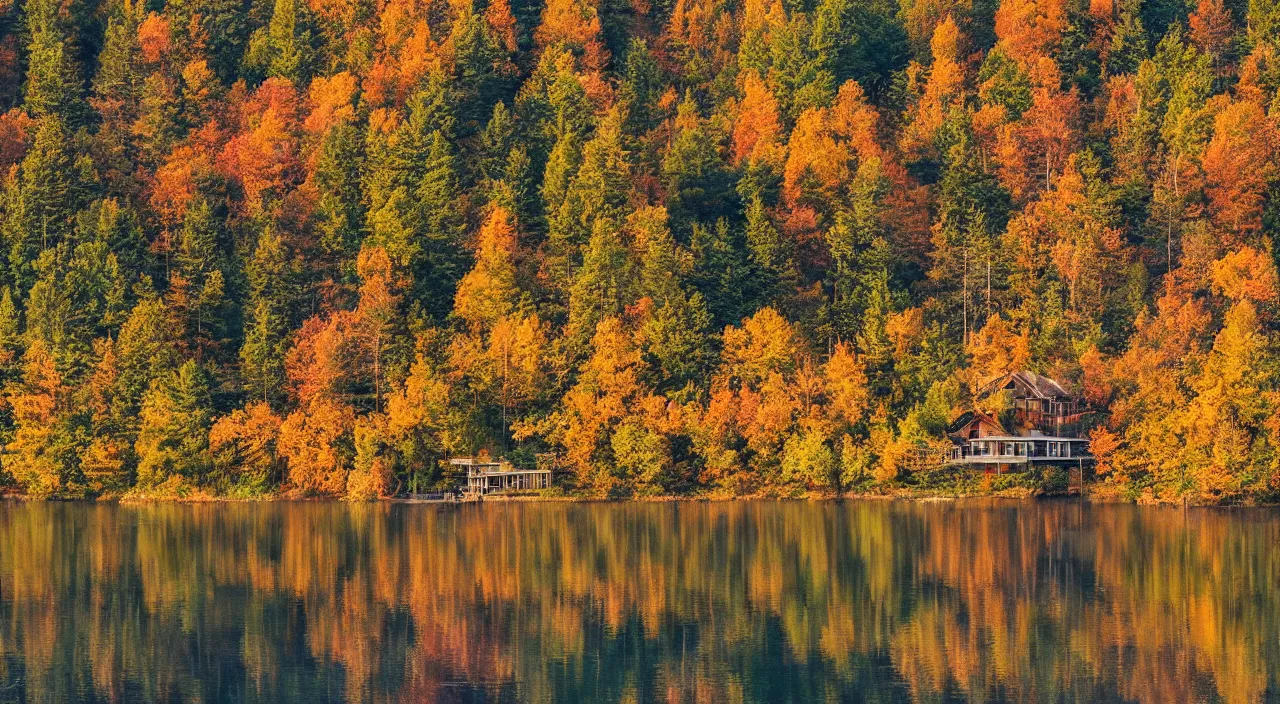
(651, 602)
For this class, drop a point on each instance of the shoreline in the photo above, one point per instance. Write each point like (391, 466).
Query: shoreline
(1097, 495)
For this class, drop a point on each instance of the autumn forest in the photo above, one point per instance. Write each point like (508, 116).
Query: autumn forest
(315, 247)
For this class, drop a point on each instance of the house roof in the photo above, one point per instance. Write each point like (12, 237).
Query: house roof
(1035, 385)
(964, 419)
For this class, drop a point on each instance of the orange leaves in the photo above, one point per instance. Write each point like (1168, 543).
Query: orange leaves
(945, 43)
(944, 90)
(408, 50)
(614, 367)
(1097, 378)
(997, 350)
(1246, 275)
(1158, 346)
(517, 350)
(498, 15)
(32, 456)
(504, 350)
(488, 292)
(264, 156)
(765, 343)
(153, 38)
(175, 183)
(755, 132)
(1239, 163)
(16, 132)
(609, 389)
(574, 24)
(1103, 444)
(922, 17)
(1075, 233)
(766, 416)
(320, 362)
(814, 152)
(332, 102)
(825, 142)
(378, 284)
(694, 23)
(1211, 27)
(1031, 152)
(845, 381)
(905, 330)
(421, 404)
(245, 440)
(1030, 29)
(315, 442)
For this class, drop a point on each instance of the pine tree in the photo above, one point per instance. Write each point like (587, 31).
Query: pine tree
(603, 285)
(282, 49)
(262, 355)
(173, 437)
(698, 187)
(340, 207)
(641, 88)
(442, 260)
(52, 86)
(42, 201)
(199, 277)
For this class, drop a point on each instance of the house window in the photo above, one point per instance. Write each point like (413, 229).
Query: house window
(1054, 450)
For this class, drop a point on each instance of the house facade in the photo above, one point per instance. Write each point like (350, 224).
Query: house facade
(486, 477)
(1045, 426)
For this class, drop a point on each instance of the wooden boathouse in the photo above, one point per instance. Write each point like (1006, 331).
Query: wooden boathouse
(490, 477)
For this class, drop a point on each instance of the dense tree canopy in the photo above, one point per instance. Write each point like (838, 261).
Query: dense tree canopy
(687, 246)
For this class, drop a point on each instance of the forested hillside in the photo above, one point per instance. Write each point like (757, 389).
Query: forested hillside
(687, 245)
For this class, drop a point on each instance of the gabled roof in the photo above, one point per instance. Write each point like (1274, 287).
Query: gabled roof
(1030, 383)
(968, 417)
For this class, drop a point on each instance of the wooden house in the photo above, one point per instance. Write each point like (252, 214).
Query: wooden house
(487, 477)
(1044, 427)
(1038, 402)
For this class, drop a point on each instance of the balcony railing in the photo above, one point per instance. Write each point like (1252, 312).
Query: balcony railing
(1016, 451)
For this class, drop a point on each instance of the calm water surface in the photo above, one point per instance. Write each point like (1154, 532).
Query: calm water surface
(720, 603)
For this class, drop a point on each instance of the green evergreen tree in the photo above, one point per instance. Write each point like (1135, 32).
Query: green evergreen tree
(262, 355)
(340, 206)
(43, 200)
(173, 439)
(602, 286)
(52, 86)
(282, 49)
(699, 187)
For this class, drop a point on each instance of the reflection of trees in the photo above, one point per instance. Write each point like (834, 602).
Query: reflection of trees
(682, 602)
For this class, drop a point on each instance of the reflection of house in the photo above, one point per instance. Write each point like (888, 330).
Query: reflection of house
(1042, 428)
(484, 477)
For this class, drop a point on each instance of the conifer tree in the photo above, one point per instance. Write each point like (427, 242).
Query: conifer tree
(262, 355)
(52, 85)
(173, 438)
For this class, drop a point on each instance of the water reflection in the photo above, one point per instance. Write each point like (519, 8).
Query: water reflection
(679, 602)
